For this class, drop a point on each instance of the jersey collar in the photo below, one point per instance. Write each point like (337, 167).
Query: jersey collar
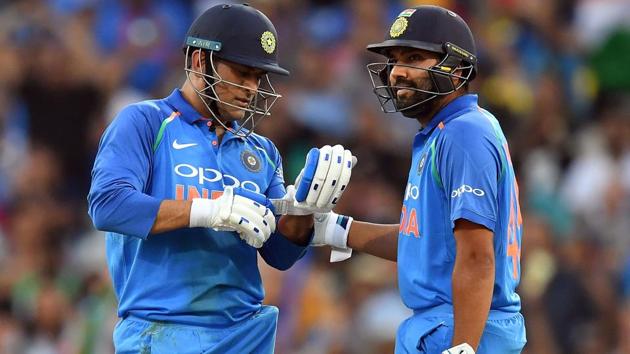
(188, 113)
(451, 111)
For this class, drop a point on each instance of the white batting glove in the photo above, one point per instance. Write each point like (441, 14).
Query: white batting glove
(464, 348)
(332, 229)
(324, 178)
(253, 221)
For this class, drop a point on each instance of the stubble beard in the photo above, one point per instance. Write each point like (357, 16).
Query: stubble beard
(405, 103)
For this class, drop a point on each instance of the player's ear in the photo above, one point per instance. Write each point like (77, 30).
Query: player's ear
(199, 60)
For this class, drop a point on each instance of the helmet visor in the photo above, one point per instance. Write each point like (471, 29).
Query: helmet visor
(387, 93)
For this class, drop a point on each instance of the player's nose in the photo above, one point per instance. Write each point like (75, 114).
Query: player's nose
(251, 83)
(397, 73)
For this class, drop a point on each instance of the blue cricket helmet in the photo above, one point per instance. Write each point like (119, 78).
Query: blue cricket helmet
(237, 33)
(434, 29)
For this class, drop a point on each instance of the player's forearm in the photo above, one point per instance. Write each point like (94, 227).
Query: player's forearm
(297, 228)
(473, 281)
(172, 215)
(376, 239)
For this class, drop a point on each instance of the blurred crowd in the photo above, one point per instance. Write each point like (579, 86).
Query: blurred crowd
(555, 73)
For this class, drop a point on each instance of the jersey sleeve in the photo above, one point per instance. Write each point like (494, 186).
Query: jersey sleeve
(281, 253)
(121, 172)
(276, 187)
(469, 168)
(278, 251)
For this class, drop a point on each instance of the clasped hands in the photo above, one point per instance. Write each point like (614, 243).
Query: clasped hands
(317, 190)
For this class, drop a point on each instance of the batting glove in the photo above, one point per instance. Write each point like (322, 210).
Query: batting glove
(464, 348)
(248, 214)
(324, 178)
(332, 229)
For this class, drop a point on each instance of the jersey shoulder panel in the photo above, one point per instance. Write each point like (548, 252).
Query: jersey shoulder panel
(152, 115)
(475, 136)
(151, 112)
(155, 111)
(469, 127)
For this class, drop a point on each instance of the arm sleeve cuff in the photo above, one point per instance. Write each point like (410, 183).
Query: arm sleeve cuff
(281, 253)
(473, 217)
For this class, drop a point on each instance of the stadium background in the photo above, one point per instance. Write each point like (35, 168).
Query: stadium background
(555, 73)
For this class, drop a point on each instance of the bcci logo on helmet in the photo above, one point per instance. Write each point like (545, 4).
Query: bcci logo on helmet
(268, 42)
(398, 27)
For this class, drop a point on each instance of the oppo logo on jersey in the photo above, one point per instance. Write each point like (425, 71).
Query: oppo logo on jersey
(211, 175)
(467, 189)
(412, 192)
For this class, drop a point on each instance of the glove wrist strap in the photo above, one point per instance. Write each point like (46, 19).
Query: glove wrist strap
(339, 228)
(202, 212)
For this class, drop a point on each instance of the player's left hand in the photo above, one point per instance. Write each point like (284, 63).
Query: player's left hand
(332, 229)
(324, 178)
(463, 348)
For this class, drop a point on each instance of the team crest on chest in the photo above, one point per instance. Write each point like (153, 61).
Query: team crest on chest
(250, 161)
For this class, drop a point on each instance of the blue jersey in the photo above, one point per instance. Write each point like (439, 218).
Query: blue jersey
(163, 149)
(461, 169)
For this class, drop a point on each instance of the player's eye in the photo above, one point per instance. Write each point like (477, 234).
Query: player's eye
(415, 57)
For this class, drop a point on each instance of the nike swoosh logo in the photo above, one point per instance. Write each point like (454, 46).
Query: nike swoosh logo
(177, 146)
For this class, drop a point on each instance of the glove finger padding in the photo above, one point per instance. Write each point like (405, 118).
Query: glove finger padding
(324, 178)
(255, 196)
(226, 202)
(348, 164)
(323, 164)
(270, 218)
(331, 179)
(248, 218)
(254, 216)
(305, 179)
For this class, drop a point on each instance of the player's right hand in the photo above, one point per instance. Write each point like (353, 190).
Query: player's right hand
(250, 218)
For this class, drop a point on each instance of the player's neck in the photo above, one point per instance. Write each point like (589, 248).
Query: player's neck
(194, 100)
(220, 131)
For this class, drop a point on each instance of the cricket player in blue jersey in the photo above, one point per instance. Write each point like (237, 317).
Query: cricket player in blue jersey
(458, 243)
(183, 189)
